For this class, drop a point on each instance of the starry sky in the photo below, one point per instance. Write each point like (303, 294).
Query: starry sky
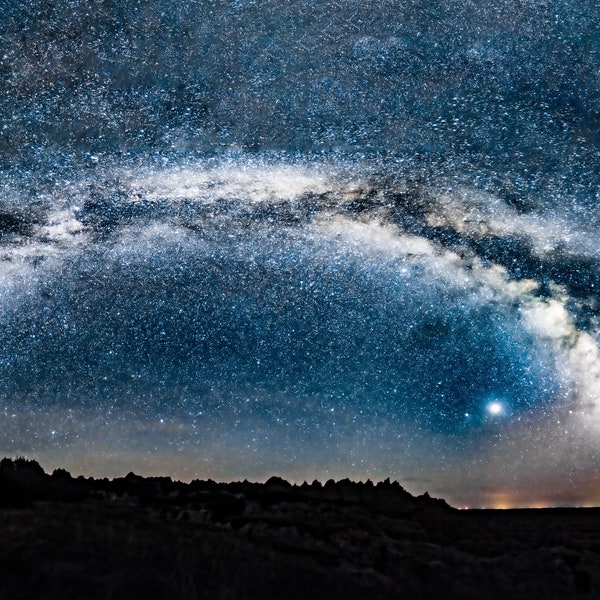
(207, 272)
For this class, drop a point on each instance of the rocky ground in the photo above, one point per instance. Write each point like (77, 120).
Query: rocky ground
(137, 537)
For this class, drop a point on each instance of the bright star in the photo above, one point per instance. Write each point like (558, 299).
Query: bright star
(495, 408)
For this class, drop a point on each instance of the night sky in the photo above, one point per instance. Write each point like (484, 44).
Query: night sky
(226, 253)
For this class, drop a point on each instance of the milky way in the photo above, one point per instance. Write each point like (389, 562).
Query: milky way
(237, 256)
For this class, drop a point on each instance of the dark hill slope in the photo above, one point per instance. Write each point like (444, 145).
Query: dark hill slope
(138, 537)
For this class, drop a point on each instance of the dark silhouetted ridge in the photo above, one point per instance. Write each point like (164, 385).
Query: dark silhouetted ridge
(152, 537)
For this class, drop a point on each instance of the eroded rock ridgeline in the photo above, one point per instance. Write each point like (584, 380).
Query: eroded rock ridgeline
(24, 481)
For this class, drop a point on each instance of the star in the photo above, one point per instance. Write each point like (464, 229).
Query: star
(495, 408)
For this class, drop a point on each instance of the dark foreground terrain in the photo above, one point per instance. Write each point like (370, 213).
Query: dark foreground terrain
(137, 537)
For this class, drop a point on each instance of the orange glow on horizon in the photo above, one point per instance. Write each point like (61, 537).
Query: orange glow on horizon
(500, 500)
